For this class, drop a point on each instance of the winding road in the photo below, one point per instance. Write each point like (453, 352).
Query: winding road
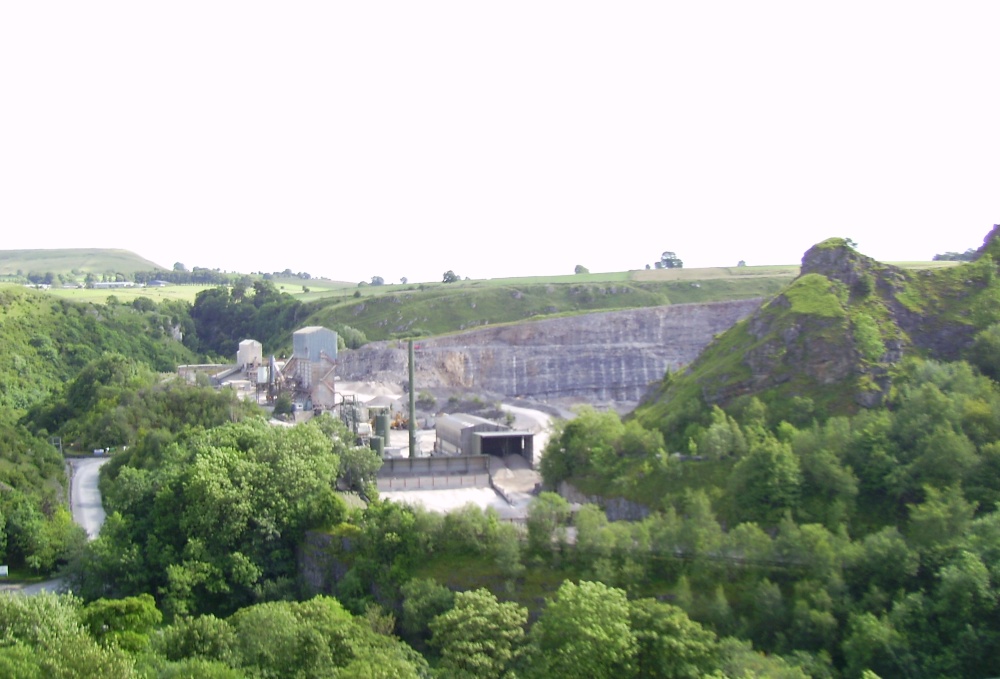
(85, 497)
(88, 512)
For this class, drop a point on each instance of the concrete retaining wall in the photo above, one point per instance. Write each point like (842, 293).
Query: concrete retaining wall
(435, 466)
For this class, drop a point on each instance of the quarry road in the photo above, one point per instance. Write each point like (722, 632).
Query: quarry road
(535, 421)
(85, 497)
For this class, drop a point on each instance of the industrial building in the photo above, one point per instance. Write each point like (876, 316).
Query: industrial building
(249, 355)
(311, 369)
(308, 376)
(462, 434)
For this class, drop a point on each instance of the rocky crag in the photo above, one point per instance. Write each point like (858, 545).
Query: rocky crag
(609, 357)
(831, 340)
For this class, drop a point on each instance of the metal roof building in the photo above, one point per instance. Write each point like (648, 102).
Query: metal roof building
(313, 362)
(310, 343)
(463, 434)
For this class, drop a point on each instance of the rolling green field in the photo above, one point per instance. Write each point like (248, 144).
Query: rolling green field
(126, 295)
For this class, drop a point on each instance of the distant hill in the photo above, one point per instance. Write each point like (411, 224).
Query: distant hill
(73, 261)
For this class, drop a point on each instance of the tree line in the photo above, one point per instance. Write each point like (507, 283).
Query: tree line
(865, 541)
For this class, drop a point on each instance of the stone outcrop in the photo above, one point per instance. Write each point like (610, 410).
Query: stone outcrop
(600, 357)
(834, 336)
(615, 508)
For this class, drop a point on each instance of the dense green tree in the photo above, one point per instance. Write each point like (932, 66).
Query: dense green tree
(593, 539)
(221, 320)
(883, 560)
(669, 645)
(810, 547)
(42, 636)
(283, 405)
(739, 659)
(32, 538)
(723, 437)
(203, 637)
(125, 623)
(597, 445)
(358, 467)
(768, 613)
(584, 633)
(985, 352)
(699, 533)
(315, 638)
(195, 668)
(669, 260)
(423, 600)
(717, 612)
(748, 544)
(766, 483)
(941, 520)
(829, 487)
(967, 256)
(548, 516)
(479, 636)
(813, 625)
(218, 521)
(874, 644)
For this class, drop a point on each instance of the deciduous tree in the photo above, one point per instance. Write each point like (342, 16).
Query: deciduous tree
(584, 633)
(479, 637)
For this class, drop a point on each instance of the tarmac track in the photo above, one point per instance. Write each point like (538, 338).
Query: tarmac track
(88, 513)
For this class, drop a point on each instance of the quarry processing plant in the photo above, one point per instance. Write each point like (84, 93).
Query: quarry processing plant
(469, 452)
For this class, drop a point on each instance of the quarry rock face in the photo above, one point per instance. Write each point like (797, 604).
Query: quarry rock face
(610, 356)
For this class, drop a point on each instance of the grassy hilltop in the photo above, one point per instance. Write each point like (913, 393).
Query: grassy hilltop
(75, 261)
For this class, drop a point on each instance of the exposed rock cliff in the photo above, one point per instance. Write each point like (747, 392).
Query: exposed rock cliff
(612, 356)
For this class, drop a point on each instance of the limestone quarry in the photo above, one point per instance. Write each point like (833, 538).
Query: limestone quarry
(601, 358)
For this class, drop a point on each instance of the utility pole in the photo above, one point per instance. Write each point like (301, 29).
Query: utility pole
(413, 423)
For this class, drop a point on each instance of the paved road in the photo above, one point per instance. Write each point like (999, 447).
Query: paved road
(85, 498)
(535, 421)
(85, 501)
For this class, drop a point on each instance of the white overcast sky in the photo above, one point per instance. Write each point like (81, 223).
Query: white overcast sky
(495, 139)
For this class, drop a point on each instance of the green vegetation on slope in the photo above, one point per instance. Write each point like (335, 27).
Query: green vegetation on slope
(44, 345)
(829, 342)
(45, 342)
(815, 538)
(451, 308)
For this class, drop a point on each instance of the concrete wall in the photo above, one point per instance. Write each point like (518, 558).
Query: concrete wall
(451, 481)
(435, 466)
(434, 473)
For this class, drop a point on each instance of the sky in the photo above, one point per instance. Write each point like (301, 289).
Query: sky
(497, 139)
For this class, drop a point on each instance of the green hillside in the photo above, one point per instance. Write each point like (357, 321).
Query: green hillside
(77, 262)
(444, 308)
(824, 479)
(44, 345)
(832, 337)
